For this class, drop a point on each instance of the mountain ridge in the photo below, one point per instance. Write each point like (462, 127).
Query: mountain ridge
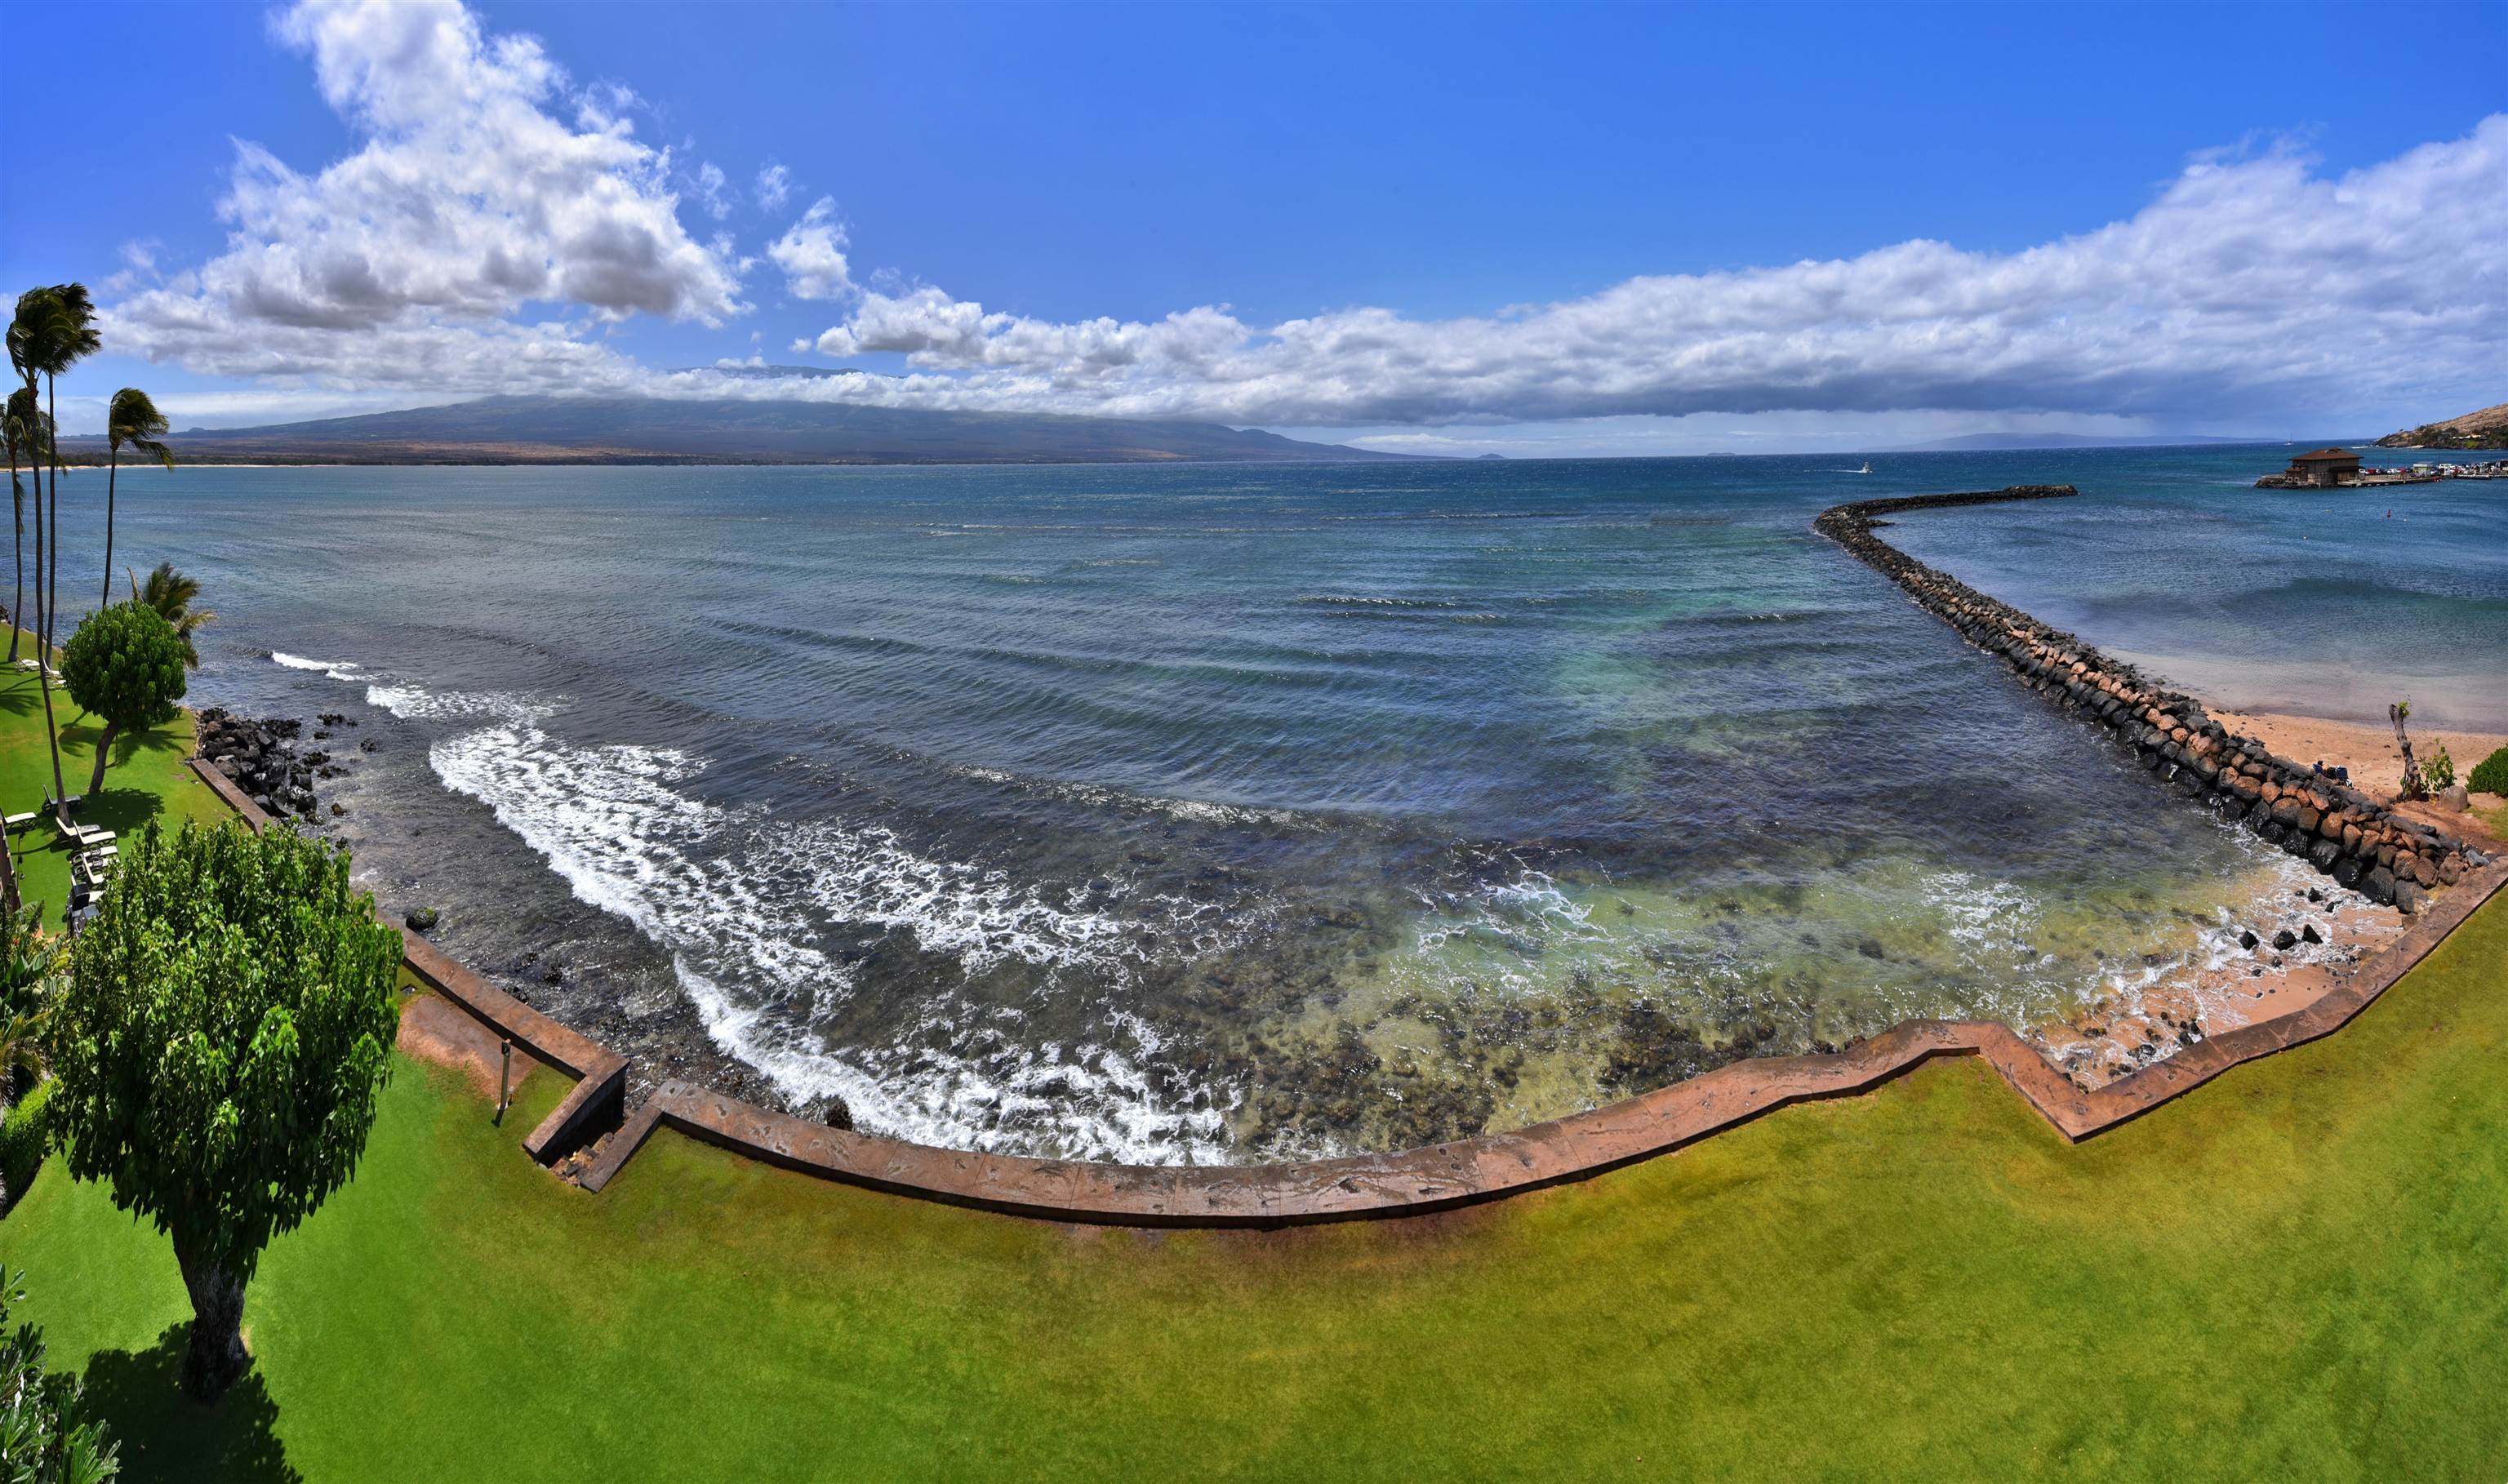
(556, 430)
(2487, 427)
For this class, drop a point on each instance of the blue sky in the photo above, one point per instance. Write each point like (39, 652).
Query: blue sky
(1324, 220)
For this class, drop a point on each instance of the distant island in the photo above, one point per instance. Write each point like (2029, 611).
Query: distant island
(551, 430)
(2487, 429)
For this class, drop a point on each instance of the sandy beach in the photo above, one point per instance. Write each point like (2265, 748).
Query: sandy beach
(2377, 763)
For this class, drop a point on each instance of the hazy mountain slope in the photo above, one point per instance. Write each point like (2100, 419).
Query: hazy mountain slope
(505, 430)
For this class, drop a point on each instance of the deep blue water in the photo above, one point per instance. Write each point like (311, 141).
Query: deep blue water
(1199, 812)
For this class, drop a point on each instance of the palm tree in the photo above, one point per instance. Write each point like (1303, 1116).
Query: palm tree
(52, 329)
(171, 595)
(135, 421)
(23, 428)
(73, 339)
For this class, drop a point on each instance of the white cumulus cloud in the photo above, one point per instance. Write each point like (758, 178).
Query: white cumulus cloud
(411, 261)
(812, 254)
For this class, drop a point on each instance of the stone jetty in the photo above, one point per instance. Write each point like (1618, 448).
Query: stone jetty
(2344, 832)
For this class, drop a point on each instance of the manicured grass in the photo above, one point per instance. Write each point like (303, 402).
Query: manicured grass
(147, 779)
(2299, 1270)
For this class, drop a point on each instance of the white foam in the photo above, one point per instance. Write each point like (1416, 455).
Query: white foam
(739, 892)
(418, 703)
(334, 669)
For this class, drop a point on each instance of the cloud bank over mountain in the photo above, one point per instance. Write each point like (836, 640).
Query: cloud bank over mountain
(497, 220)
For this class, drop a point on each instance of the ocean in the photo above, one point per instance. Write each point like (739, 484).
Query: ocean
(1216, 813)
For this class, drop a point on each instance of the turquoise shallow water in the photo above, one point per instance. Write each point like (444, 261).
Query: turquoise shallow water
(1208, 812)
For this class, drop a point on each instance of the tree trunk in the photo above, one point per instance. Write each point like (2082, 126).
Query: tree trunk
(2414, 788)
(17, 510)
(112, 472)
(103, 747)
(53, 574)
(216, 1358)
(43, 649)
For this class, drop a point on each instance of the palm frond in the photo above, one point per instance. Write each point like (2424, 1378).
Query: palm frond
(54, 329)
(171, 594)
(132, 420)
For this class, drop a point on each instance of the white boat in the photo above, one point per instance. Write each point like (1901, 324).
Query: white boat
(1867, 468)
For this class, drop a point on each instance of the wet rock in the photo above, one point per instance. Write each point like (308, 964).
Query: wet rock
(421, 918)
(2285, 940)
(2248, 939)
(2307, 933)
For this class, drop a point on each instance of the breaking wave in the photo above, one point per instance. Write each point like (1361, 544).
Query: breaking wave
(740, 893)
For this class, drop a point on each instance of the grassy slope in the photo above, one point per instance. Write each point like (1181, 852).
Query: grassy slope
(2297, 1272)
(146, 780)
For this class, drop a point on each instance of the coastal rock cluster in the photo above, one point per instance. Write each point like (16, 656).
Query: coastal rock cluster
(2341, 831)
(262, 758)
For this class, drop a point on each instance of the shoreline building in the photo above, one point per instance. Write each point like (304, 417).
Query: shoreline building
(2324, 467)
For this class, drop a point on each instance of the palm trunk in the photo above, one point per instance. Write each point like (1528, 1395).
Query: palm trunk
(8, 891)
(216, 1358)
(52, 575)
(17, 510)
(112, 472)
(43, 651)
(95, 784)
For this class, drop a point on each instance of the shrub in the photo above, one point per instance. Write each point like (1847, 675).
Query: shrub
(2490, 775)
(2439, 773)
(26, 1137)
(43, 1434)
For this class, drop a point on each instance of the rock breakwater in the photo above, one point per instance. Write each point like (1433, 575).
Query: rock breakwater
(2341, 831)
(263, 760)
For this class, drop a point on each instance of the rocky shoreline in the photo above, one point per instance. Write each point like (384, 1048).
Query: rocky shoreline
(2358, 841)
(262, 757)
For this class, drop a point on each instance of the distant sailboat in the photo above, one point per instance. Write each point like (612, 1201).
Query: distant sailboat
(1867, 468)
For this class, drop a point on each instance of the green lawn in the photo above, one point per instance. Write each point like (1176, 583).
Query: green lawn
(147, 779)
(2298, 1272)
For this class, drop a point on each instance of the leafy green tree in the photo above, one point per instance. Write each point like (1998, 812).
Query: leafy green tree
(132, 420)
(172, 594)
(220, 1050)
(45, 1437)
(125, 665)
